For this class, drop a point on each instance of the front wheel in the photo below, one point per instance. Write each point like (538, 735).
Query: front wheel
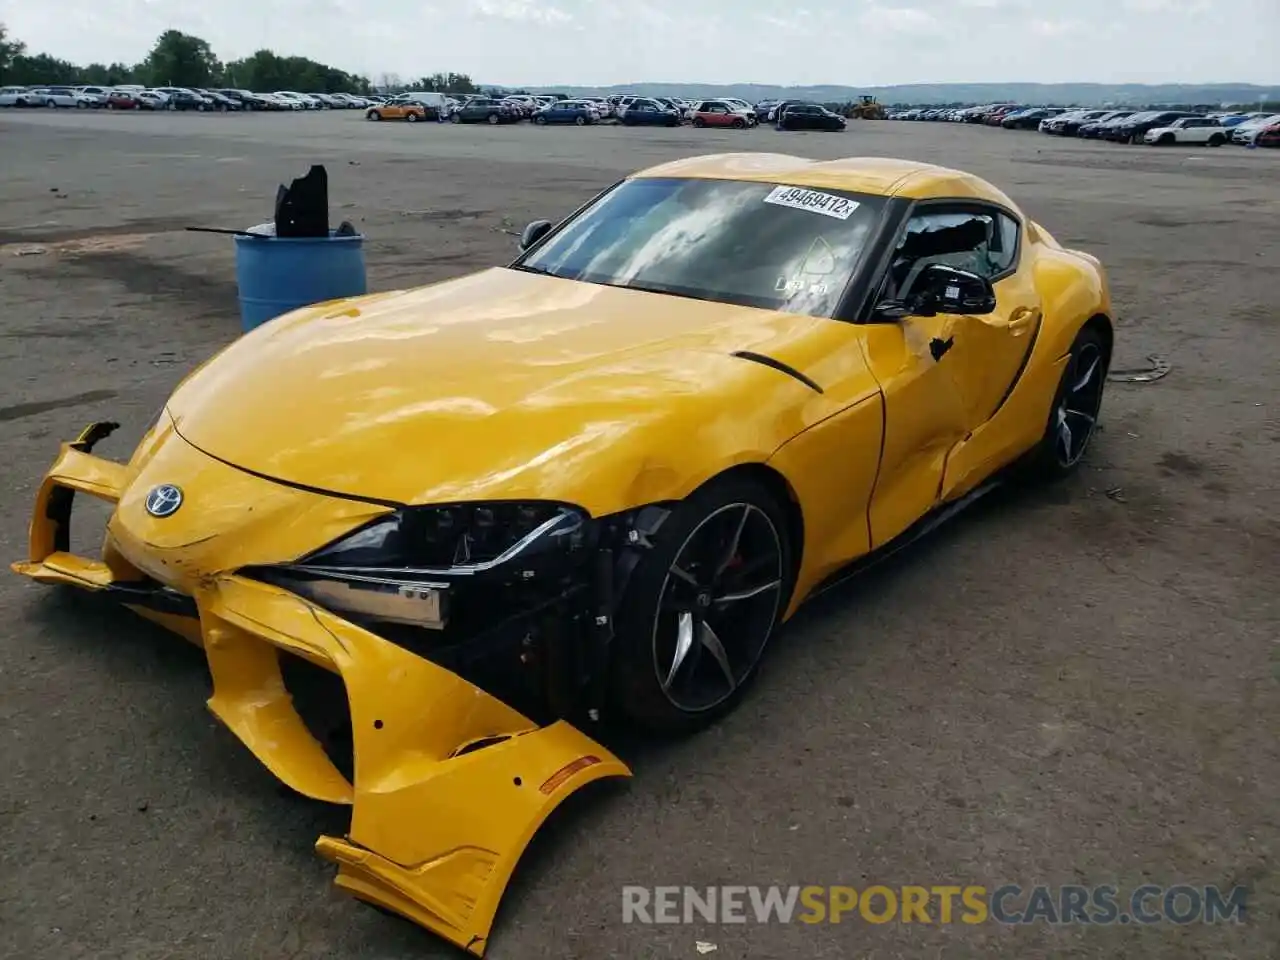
(1076, 407)
(540, 121)
(374, 115)
(701, 607)
(1217, 140)
(411, 117)
(455, 118)
(581, 121)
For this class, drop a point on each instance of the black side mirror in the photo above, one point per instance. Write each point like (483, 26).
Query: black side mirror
(534, 232)
(943, 289)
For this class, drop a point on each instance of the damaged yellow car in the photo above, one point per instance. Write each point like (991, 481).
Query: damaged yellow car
(592, 483)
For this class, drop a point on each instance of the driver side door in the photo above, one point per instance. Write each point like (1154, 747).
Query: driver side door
(945, 375)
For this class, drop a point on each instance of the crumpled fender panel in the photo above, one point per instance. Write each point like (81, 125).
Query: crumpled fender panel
(450, 783)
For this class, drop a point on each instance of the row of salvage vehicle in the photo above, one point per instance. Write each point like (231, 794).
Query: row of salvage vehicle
(1154, 127)
(729, 112)
(138, 97)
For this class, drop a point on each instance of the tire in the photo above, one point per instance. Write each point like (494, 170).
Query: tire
(580, 121)
(540, 121)
(110, 105)
(411, 117)
(1217, 140)
(739, 124)
(1166, 139)
(494, 119)
(1089, 363)
(52, 104)
(374, 115)
(455, 118)
(81, 105)
(654, 685)
(699, 122)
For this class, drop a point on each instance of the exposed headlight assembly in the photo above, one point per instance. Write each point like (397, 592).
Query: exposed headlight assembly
(399, 568)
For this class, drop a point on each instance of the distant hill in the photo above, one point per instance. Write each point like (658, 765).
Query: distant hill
(1062, 94)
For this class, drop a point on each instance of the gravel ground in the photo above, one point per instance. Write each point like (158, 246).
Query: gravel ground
(1076, 686)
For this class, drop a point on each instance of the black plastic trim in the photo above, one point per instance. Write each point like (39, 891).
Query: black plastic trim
(779, 366)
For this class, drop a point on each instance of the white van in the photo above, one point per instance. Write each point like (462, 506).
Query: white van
(436, 104)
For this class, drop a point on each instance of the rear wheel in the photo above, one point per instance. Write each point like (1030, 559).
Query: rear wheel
(701, 607)
(494, 119)
(1076, 407)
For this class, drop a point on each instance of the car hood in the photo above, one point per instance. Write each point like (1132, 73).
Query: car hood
(506, 384)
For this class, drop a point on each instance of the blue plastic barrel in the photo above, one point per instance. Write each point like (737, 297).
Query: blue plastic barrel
(279, 274)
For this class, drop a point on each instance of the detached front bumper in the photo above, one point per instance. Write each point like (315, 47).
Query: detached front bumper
(450, 783)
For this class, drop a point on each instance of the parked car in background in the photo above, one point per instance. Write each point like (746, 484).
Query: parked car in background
(123, 100)
(1197, 130)
(488, 110)
(151, 100)
(403, 107)
(1245, 133)
(1067, 123)
(578, 112)
(18, 97)
(247, 99)
(293, 101)
(219, 101)
(184, 98)
(97, 96)
(1028, 119)
(722, 113)
(1134, 129)
(59, 97)
(1099, 129)
(809, 116)
(644, 111)
(1268, 136)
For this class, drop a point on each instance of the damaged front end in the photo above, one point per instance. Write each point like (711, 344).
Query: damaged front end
(472, 641)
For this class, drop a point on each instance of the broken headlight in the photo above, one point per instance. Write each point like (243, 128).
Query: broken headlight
(458, 538)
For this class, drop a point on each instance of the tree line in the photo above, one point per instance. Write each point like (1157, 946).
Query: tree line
(181, 60)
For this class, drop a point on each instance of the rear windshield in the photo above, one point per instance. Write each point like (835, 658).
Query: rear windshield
(765, 245)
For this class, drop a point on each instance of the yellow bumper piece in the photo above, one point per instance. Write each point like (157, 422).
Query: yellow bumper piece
(450, 783)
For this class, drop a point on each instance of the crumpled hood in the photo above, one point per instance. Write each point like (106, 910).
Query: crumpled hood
(499, 384)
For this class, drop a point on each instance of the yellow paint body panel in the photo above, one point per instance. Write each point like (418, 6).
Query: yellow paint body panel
(433, 836)
(506, 385)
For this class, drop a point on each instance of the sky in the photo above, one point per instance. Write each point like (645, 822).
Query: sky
(793, 42)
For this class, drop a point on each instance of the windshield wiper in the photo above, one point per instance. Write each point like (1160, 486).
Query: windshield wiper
(527, 268)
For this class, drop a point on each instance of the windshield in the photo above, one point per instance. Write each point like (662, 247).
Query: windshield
(764, 245)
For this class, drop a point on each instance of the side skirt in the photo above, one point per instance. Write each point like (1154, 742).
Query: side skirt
(917, 531)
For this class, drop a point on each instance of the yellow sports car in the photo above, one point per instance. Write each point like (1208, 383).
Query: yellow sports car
(590, 483)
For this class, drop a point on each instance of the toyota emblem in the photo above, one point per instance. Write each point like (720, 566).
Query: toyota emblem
(164, 500)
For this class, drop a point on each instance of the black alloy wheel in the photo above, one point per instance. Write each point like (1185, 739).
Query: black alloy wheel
(701, 607)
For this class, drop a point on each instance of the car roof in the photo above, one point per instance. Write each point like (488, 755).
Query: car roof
(880, 176)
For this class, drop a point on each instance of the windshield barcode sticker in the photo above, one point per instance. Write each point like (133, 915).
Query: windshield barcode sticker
(827, 204)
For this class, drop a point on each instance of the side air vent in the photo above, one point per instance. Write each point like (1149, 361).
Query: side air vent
(778, 365)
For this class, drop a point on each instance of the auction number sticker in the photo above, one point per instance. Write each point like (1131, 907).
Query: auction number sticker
(798, 198)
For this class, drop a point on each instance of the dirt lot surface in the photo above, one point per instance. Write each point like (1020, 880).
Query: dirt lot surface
(1075, 686)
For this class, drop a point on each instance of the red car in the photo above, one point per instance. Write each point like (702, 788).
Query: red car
(717, 113)
(122, 100)
(1269, 136)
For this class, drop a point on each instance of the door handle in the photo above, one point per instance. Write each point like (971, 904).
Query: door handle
(1023, 319)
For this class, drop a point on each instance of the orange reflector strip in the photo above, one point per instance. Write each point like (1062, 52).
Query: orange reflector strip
(557, 779)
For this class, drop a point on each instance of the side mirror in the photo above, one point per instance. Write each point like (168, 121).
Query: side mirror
(534, 232)
(943, 289)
